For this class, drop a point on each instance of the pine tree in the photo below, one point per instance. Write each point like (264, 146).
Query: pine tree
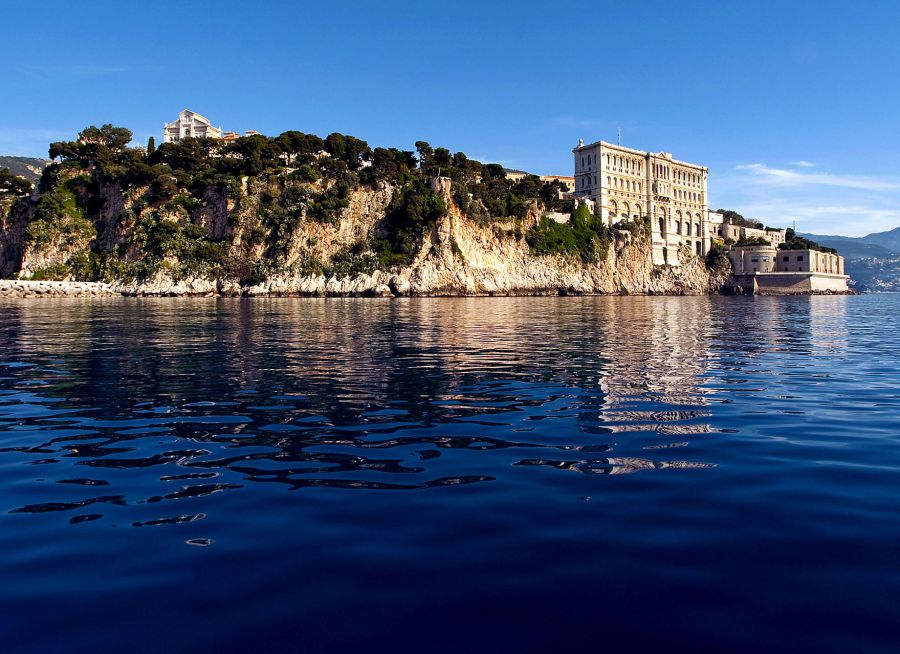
(151, 145)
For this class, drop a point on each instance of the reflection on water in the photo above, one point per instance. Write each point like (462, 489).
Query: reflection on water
(343, 394)
(199, 417)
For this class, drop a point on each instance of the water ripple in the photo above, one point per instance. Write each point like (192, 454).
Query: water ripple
(710, 434)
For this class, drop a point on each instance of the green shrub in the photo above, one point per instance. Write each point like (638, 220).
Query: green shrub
(53, 272)
(327, 207)
(351, 260)
(584, 235)
(59, 216)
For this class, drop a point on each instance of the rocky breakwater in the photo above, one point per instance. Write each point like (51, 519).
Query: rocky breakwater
(18, 288)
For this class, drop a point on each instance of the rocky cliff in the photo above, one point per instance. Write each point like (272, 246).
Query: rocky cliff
(457, 255)
(299, 215)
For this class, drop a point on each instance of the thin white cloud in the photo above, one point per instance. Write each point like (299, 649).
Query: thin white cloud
(784, 177)
(842, 219)
(804, 164)
(71, 70)
(819, 202)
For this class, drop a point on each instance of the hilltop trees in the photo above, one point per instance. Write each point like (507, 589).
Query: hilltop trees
(169, 193)
(794, 242)
(12, 185)
(348, 149)
(299, 146)
(735, 218)
(115, 138)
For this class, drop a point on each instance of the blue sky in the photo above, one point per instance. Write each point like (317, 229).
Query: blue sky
(792, 105)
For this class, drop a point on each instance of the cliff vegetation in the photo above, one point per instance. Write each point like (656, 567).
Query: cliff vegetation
(298, 213)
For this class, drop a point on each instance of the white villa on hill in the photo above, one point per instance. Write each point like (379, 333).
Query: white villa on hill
(188, 124)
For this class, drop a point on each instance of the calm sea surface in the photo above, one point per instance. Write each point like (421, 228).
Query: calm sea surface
(436, 475)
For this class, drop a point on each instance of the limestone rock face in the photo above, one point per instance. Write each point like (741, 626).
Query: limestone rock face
(462, 257)
(458, 256)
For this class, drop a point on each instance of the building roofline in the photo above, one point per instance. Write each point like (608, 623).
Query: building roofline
(642, 153)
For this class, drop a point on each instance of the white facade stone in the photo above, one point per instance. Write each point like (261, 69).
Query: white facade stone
(190, 124)
(630, 184)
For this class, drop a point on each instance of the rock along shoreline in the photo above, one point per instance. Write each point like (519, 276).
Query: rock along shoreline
(22, 289)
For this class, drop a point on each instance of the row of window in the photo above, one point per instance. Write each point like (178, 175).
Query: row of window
(623, 164)
(688, 178)
(688, 228)
(698, 249)
(614, 183)
(626, 209)
(689, 196)
(624, 184)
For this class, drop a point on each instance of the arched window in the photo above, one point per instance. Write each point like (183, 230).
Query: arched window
(677, 226)
(608, 182)
(638, 211)
(687, 227)
(613, 209)
(697, 229)
(662, 226)
(626, 209)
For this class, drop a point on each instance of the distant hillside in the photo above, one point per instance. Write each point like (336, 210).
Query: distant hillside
(890, 239)
(854, 248)
(27, 167)
(872, 261)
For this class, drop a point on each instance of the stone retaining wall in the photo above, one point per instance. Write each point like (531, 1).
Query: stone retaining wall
(20, 288)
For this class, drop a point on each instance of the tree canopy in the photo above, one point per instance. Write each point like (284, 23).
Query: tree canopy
(13, 185)
(734, 218)
(794, 242)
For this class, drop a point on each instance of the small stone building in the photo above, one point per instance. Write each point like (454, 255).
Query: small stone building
(750, 259)
(809, 261)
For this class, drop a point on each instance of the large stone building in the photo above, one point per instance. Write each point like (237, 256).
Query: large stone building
(628, 184)
(190, 124)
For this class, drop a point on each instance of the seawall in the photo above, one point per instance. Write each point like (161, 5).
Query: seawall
(18, 288)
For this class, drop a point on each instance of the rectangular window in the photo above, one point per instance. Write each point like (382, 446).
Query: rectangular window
(800, 257)
(786, 259)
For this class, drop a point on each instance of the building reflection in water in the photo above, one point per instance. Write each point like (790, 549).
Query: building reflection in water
(375, 394)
